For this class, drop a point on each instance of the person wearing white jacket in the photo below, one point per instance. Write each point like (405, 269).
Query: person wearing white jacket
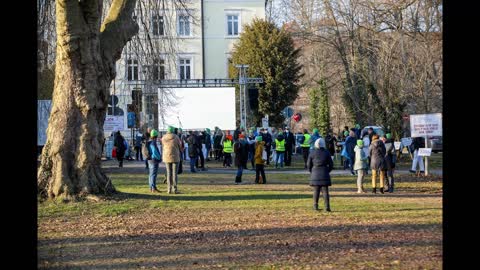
(360, 165)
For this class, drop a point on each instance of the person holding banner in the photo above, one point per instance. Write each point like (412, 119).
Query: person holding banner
(417, 143)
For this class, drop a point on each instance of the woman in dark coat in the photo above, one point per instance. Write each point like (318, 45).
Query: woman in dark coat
(389, 161)
(320, 165)
(241, 156)
(120, 148)
(377, 161)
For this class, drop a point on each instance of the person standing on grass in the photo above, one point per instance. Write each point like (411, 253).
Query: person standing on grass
(251, 149)
(320, 165)
(305, 144)
(208, 142)
(241, 156)
(267, 139)
(171, 147)
(389, 160)
(146, 140)
(192, 151)
(227, 151)
(259, 160)
(360, 165)
(279, 149)
(153, 160)
(289, 145)
(377, 162)
(120, 148)
(350, 143)
(138, 146)
(417, 143)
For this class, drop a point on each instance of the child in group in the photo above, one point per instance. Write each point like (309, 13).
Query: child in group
(259, 160)
(360, 165)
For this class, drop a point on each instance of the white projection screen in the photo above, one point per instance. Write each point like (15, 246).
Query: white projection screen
(200, 108)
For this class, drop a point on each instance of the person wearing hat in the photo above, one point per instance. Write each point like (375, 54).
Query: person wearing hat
(289, 144)
(267, 139)
(227, 151)
(171, 147)
(389, 160)
(279, 149)
(320, 165)
(305, 144)
(360, 165)
(315, 136)
(240, 148)
(259, 161)
(153, 161)
(377, 162)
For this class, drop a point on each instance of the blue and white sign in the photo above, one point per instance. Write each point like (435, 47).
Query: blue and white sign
(131, 120)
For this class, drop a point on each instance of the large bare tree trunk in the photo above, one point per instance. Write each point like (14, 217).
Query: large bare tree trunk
(85, 66)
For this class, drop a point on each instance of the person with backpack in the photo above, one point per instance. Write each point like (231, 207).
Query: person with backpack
(241, 149)
(120, 148)
(305, 145)
(138, 146)
(171, 146)
(320, 165)
(154, 158)
(389, 160)
(192, 151)
(360, 165)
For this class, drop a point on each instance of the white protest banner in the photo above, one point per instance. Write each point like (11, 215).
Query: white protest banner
(265, 122)
(113, 123)
(422, 125)
(397, 145)
(425, 152)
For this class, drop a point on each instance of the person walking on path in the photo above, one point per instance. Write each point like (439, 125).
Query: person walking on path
(259, 160)
(377, 162)
(350, 143)
(171, 147)
(153, 160)
(241, 156)
(320, 165)
(360, 165)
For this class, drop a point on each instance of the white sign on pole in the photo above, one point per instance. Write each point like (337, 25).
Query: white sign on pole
(422, 125)
(397, 145)
(113, 123)
(264, 122)
(425, 152)
(406, 141)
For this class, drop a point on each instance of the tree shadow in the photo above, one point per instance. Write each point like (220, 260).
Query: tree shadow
(206, 247)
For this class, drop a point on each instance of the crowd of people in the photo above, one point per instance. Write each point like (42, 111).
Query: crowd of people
(257, 148)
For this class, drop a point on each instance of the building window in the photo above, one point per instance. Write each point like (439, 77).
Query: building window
(232, 25)
(183, 25)
(185, 68)
(159, 70)
(132, 69)
(158, 24)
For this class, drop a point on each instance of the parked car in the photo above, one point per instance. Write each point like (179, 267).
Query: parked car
(377, 129)
(436, 144)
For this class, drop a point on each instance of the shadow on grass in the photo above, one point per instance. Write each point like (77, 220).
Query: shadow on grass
(236, 246)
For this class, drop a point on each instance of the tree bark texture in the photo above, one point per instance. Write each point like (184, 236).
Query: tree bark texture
(85, 66)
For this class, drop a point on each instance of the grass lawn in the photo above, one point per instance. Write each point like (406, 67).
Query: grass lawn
(214, 224)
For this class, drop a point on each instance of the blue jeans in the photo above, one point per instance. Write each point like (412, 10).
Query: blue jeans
(240, 171)
(193, 161)
(153, 169)
(279, 156)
